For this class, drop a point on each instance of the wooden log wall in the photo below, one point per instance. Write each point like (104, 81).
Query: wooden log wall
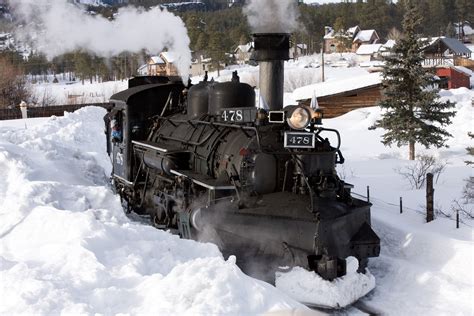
(46, 111)
(339, 104)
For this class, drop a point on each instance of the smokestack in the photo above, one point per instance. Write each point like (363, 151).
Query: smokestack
(271, 50)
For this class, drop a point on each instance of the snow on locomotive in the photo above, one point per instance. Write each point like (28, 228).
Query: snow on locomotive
(205, 162)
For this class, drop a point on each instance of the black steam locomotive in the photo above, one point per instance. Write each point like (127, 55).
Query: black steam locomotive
(205, 162)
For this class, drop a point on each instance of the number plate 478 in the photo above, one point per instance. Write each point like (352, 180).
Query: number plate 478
(299, 140)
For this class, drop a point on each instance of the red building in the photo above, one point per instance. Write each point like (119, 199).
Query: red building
(452, 78)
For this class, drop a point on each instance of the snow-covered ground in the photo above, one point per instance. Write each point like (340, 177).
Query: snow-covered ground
(66, 247)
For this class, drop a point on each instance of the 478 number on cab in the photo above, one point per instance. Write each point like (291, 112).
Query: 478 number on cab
(232, 115)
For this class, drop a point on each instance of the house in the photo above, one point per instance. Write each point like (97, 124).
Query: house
(386, 48)
(143, 70)
(242, 53)
(453, 77)
(169, 59)
(368, 52)
(338, 97)
(364, 37)
(155, 67)
(354, 36)
(200, 65)
(331, 40)
(445, 51)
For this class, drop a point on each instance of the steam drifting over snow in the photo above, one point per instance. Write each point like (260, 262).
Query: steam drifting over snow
(65, 27)
(272, 16)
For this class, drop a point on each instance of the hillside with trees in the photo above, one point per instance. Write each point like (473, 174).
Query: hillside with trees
(216, 31)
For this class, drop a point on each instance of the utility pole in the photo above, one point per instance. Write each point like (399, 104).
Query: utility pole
(322, 61)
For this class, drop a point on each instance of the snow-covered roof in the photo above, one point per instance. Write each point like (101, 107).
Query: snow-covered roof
(388, 45)
(368, 49)
(168, 57)
(337, 86)
(372, 64)
(464, 70)
(353, 30)
(329, 35)
(365, 35)
(156, 60)
(453, 44)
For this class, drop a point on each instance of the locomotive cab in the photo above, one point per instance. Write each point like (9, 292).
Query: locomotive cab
(131, 112)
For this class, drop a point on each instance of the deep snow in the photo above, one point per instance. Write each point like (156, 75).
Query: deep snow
(65, 245)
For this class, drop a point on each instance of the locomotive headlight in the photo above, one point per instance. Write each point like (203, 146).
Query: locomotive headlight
(299, 118)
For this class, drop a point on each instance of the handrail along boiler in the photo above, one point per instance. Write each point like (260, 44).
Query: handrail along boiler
(204, 161)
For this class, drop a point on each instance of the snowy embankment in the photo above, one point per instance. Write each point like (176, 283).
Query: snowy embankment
(424, 269)
(67, 247)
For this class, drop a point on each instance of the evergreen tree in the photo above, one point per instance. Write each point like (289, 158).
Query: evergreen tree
(216, 50)
(469, 187)
(470, 150)
(412, 112)
(450, 30)
(343, 41)
(202, 41)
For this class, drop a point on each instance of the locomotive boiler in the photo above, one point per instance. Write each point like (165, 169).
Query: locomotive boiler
(259, 181)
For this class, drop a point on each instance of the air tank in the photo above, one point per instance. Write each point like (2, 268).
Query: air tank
(232, 94)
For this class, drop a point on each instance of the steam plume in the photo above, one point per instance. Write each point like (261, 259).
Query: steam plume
(65, 27)
(272, 16)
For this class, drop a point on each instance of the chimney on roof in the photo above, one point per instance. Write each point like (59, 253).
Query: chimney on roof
(327, 30)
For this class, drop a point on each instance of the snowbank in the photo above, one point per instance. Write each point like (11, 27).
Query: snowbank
(306, 286)
(423, 269)
(67, 247)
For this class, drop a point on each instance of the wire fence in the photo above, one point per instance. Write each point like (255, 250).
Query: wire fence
(379, 201)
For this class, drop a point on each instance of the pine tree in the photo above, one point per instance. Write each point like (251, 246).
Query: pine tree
(469, 187)
(412, 112)
(216, 50)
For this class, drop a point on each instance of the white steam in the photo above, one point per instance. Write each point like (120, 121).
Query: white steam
(65, 27)
(272, 16)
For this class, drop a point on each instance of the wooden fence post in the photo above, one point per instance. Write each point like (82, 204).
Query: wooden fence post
(368, 194)
(457, 217)
(429, 197)
(401, 205)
